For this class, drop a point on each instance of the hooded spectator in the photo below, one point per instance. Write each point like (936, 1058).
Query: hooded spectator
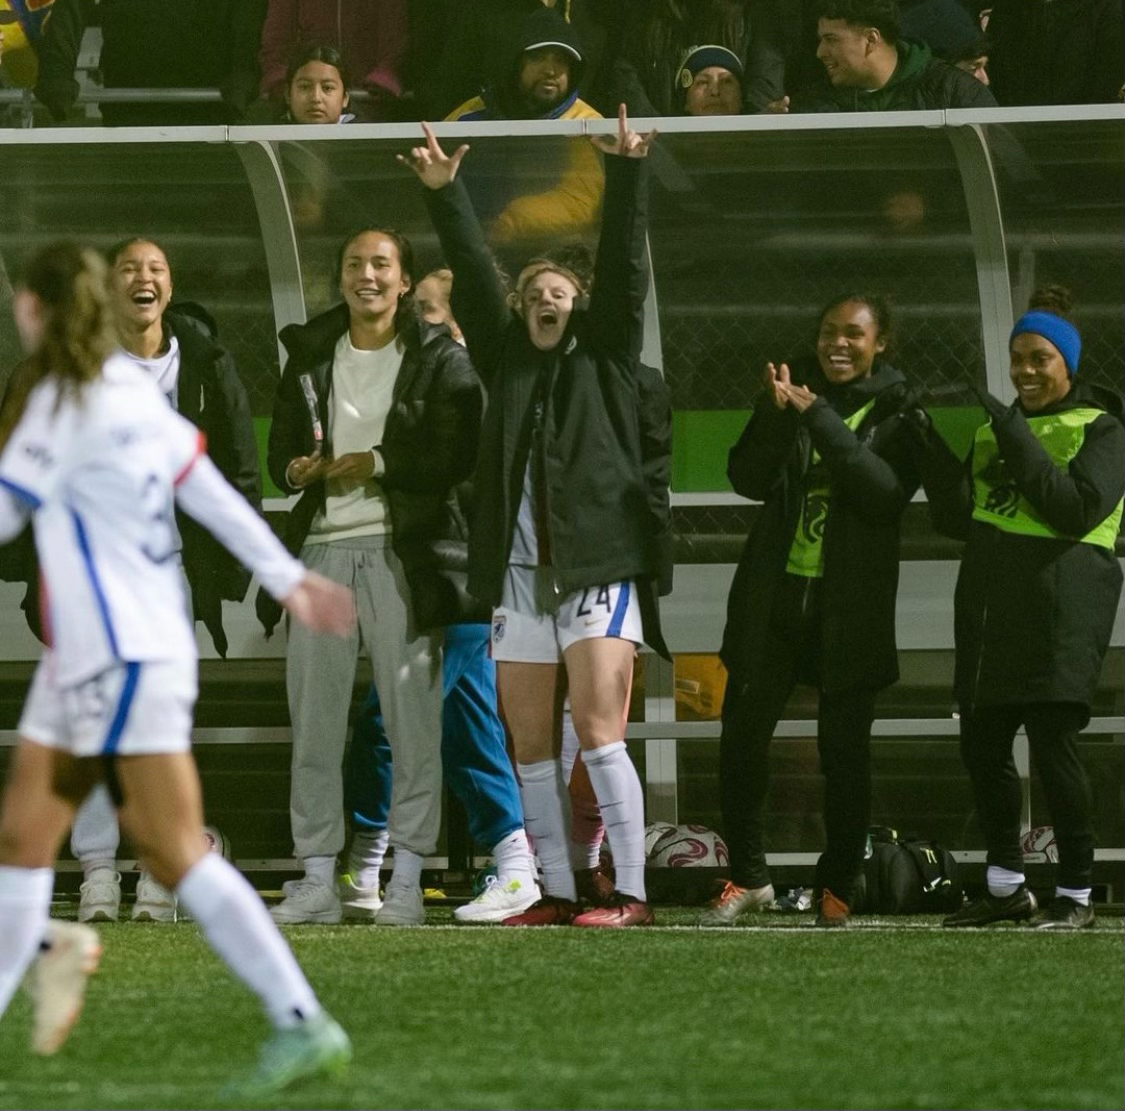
(948, 29)
(710, 82)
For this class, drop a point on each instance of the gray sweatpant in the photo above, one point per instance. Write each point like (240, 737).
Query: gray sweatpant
(320, 674)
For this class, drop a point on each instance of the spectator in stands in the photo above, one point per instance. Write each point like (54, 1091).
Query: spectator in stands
(1039, 502)
(316, 88)
(710, 82)
(473, 753)
(25, 25)
(561, 538)
(657, 37)
(370, 41)
(454, 45)
(869, 67)
(1057, 51)
(539, 78)
(162, 44)
(948, 29)
(782, 53)
(813, 599)
(376, 420)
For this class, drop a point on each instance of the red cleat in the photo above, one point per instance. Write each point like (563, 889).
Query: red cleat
(548, 911)
(620, 910)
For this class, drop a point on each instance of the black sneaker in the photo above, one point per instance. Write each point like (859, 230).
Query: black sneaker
(1017, 907)
(1063, 913)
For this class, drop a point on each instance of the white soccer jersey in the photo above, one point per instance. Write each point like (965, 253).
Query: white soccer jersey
(99, 475)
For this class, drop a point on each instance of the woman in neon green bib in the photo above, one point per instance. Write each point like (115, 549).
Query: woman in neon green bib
(813, 599)
(1039, 501)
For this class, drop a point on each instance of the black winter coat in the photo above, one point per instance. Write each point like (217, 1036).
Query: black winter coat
(872, 477)
(429, 446)
(598, 516)
(1033, 615)
(211, 395)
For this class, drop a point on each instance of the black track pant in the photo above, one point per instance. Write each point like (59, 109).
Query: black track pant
(751, 709)
(1052, 733)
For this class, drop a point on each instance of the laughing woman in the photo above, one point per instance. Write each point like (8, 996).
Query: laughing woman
(1039, 502)
(813, 599)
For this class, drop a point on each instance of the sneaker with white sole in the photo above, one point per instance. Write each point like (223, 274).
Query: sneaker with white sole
(359, 902)
(154, 902)
(99, 898)
(734, 901)
(499, 901)
(307, 900)
(316, 1047)
(402, 906)
(56, 982)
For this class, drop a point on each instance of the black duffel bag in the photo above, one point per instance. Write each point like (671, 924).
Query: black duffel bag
(907, 875)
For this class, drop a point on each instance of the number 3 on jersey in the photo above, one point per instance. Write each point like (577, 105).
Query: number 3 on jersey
(156, 500)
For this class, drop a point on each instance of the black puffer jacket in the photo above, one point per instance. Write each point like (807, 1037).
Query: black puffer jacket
(873, 476)
(211, 395)
(429, 446)
(1033, 614)
(598, 515)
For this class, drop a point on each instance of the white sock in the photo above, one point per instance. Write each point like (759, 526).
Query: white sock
(95, 836)
(238, 927)
(322, 869)
(586, 833)
(99, 869)
(569, 751)
(1080, 895)
(366, 855)
(407, 871)
(1003, 883)
(546, 816)
(513, 859)
(25, 907)
(618, 790)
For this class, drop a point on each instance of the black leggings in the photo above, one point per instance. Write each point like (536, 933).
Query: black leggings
(751, 709)
(1052, 734)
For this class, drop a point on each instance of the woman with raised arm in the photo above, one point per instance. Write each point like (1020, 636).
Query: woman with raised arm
(561, 542)
(93, 454)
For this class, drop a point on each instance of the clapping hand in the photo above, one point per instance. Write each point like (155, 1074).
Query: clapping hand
(435, 168)
(784, 391)
(627, 143)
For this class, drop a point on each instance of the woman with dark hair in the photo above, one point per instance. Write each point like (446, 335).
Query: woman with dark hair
(91, 451)
(813, 599)
(562, 545)
(1039, 503)
(316, 87)
(376, 421)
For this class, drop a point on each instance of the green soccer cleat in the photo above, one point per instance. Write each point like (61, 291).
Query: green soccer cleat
(316, 1047)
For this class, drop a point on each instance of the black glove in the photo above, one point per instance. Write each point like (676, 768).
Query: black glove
(58, 97)
(993, 406)
(917, 421)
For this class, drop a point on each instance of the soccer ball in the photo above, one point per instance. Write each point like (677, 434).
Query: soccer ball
(690, 847)
(653, 833)
(1039, 846)
(216, 842)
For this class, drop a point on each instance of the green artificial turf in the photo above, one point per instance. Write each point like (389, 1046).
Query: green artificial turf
(895, 1014)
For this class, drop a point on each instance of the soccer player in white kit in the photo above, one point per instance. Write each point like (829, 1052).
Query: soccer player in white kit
(93, 453)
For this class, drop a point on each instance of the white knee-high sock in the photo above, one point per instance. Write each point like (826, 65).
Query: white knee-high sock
(95, 836)
(25, 906)
(618, 789)
(366, 855)
(546, 814)
(513, 859)
(240, 930)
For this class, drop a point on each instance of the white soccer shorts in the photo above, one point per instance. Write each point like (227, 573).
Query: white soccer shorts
(130, 709)
(523, 633)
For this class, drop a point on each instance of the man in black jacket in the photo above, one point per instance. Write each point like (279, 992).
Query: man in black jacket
(869, 68)
(177, 347)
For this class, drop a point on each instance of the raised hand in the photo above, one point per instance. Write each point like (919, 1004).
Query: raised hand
(435, 168)
(627, 143)
(776, 380)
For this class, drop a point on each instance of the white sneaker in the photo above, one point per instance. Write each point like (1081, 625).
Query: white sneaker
(499, 901)
(56, 982)
(307, 900)
(402, 906)
(154, 902)
(100, 898)
(359, 902)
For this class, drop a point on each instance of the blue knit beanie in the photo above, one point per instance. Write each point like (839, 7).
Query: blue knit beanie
(1060, 332)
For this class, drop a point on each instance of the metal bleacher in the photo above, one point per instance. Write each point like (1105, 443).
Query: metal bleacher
(756, 222)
